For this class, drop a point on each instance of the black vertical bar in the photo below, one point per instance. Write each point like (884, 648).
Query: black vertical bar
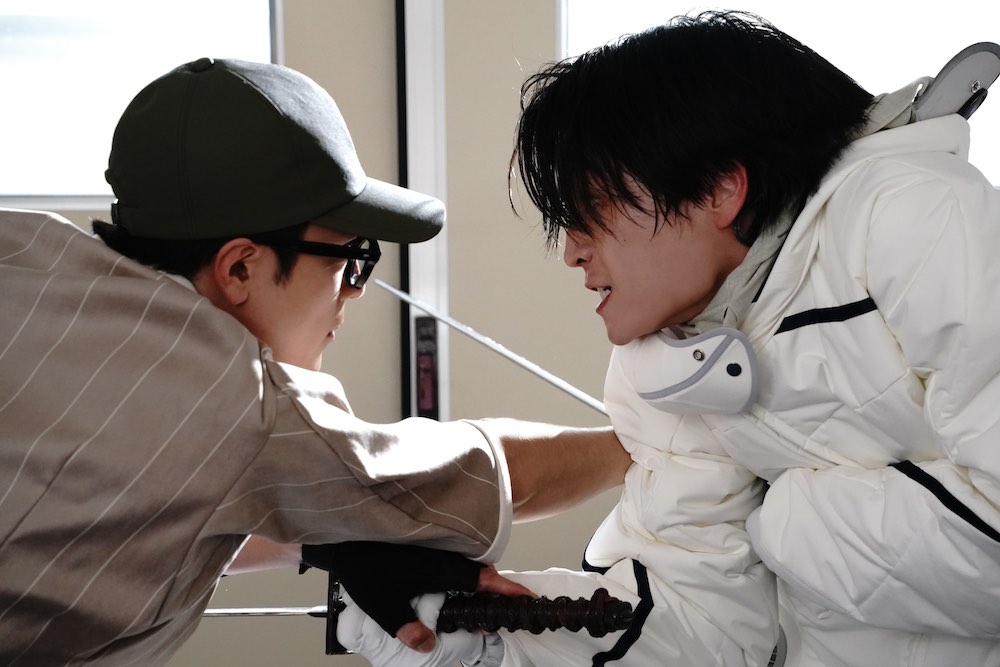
(425, 328)
(405, 344)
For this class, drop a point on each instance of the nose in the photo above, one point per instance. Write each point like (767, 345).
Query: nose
(577, 251)
(349, 292)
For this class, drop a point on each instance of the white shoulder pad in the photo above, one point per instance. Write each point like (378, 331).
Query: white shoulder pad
(711, 373)
(961, 85)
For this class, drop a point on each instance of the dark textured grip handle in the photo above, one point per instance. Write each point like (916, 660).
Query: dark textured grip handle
(600, 614)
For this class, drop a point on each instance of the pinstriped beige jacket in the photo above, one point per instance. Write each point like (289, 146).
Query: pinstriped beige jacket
(144, 434)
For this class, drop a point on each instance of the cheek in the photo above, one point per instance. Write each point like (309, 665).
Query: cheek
(669, 290)
(326, 286)
(316, 300)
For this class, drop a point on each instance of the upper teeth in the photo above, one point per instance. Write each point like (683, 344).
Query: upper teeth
(604, 292)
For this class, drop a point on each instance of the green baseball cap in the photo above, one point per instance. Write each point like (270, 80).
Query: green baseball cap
(222, 148)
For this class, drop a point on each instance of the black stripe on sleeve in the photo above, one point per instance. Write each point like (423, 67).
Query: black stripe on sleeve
(585, 564)
(639, 615)
(927, 481)
(821, 315)
(587, 567)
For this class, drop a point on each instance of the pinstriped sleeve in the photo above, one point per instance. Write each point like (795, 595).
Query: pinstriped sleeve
(326, 476)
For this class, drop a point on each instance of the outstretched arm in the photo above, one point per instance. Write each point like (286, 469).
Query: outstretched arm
(554, 468)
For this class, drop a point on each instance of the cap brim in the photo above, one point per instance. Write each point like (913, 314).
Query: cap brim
(387, 212)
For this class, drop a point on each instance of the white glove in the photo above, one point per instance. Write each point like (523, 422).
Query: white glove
(358, 633)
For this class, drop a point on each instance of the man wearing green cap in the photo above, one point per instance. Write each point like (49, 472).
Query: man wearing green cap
(160, 398)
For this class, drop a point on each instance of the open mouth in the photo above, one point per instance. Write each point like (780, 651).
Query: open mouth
(604, 293)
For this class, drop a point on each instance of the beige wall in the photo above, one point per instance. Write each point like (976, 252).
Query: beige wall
(500, 282)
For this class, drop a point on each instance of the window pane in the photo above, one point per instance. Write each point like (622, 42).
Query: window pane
(68, 69)
(882, 45)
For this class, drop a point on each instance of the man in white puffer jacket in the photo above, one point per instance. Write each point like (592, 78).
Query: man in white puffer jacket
(869, 314)
(801, 285)
(872, 421)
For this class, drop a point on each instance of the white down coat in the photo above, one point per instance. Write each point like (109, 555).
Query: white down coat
(877, 342)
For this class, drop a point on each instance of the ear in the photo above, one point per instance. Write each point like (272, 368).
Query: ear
(727, 198)
(235, 267)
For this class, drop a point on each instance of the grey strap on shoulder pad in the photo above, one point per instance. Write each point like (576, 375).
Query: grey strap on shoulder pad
(961, 85)
(712, 373)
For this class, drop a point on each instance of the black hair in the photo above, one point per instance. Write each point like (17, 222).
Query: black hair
(187, 257)
(674, 108)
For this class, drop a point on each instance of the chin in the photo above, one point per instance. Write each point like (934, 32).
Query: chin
(617, 338)
(626, 336)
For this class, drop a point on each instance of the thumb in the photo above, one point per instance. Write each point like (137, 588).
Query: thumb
(417, 636)
(491, 581)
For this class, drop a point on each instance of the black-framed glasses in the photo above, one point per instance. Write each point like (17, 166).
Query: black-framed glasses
(361, 255)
